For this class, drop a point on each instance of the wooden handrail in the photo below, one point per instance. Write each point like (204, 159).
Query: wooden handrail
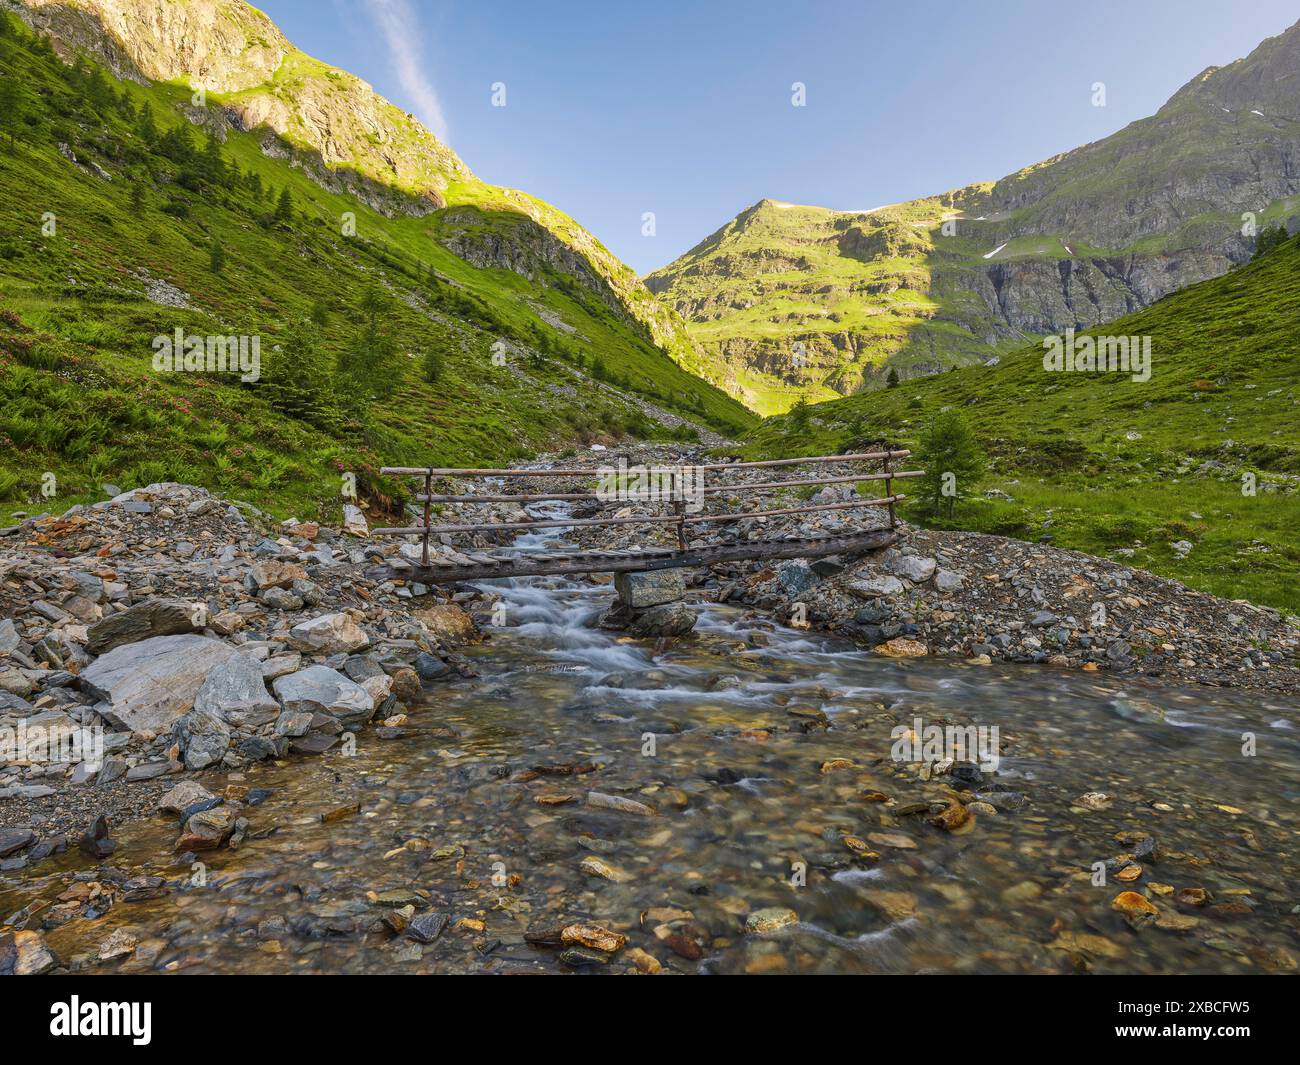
(588, 471)
(716, 490)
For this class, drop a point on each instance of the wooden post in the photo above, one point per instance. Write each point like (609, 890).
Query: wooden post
(679, 508)
(889, 488)
(428, 492)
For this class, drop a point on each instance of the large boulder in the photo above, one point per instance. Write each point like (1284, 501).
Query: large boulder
(153, 617)
(796, 576)
(236, 692)
(150, 684)
(667, 619)
(321, 690)
(648, 588)
(449, 624)
(329, 634)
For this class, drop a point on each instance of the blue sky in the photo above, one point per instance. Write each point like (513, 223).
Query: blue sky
(615, 108)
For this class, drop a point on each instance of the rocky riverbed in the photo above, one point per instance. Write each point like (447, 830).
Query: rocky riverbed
(310, 760)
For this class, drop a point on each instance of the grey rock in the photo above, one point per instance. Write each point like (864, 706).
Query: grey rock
(153, 617)
(430, 667)
(203, 736)
(650, 588)
(147, 771)
(913, 568)
(149, 684)
(667, 619)
(281, 599)
(9, 638)
(321, 690)
(945, 580)
(235, 691)
(796, 576)
(329, 634)
(875, 587)
(186, 794)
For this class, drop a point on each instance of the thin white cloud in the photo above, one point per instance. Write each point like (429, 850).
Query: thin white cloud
(401, 30)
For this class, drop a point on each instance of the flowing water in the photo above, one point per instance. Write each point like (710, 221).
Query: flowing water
(480, 808)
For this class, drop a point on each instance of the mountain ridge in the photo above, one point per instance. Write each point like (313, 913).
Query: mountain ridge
(342, 132)
(789, 301)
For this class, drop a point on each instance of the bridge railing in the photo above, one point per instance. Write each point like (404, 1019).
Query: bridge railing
(685, 488)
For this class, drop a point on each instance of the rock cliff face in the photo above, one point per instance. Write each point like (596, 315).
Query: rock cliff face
(787, 301)
(343, 133)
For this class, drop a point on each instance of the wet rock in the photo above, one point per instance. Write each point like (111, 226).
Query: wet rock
(430, 667)
(27, 955)
(153, 617)
(340, 813)
(143, 889)
(901, 647)
(95, 842)
(617, 802)
(12, 840)
(639, 590)
(593, 866)
(582, 957)
(449, 624)
(593, 937)
(149, 684)
(670, 619)
(426, 927)
(208, 829)
(186, 794)
(329, 634)
(1136, 908)
(769, 919)
(954, 818)
(118, 945)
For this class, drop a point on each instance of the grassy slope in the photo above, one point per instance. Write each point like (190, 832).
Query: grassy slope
(1099, 462)
(79, 398)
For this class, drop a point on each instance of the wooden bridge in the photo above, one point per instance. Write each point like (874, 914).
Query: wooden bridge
(682, 490)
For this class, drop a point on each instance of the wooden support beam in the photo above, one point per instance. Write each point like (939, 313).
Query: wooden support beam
(535, 564)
